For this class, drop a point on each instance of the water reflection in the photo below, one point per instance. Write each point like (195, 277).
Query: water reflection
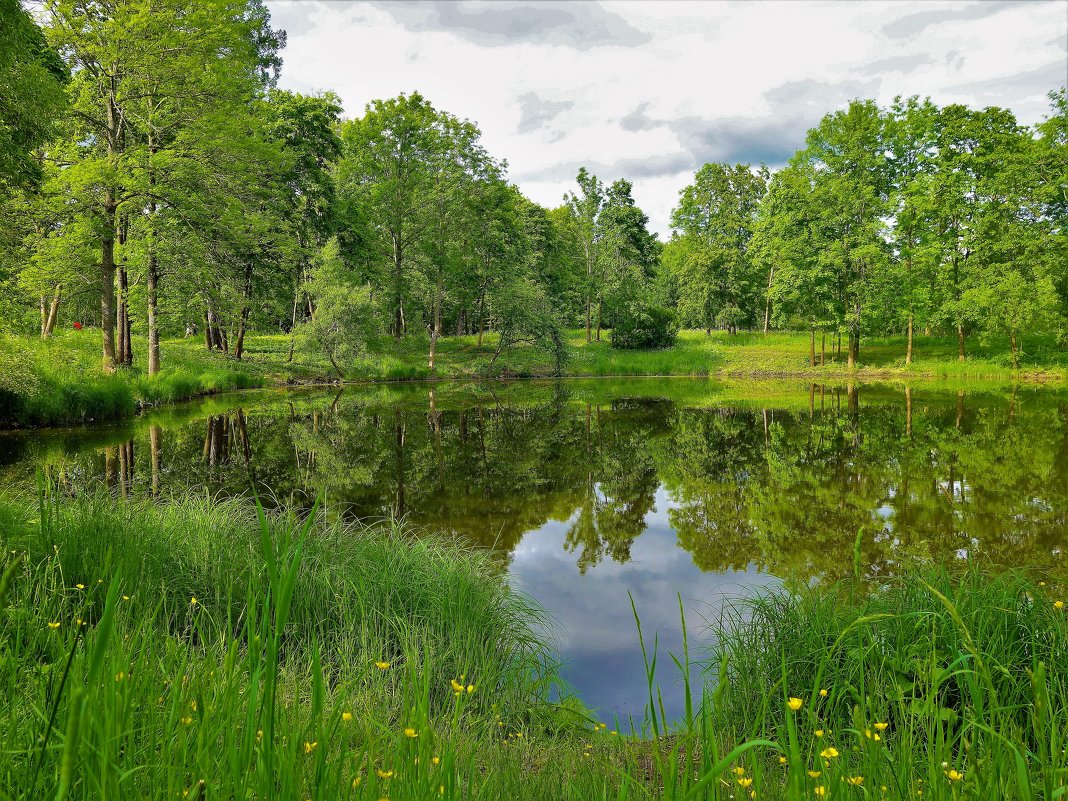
(585, 491)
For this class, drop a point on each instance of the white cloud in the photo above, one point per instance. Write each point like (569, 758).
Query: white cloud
(550, 84)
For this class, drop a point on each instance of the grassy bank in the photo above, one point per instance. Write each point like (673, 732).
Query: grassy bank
(192, 650)
(59, 381)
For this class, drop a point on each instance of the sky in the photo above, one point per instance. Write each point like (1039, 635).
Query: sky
(650, 91)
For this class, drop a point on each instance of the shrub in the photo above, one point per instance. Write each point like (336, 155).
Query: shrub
(645, 327)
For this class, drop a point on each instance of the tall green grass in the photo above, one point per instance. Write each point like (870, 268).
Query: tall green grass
(204, 650)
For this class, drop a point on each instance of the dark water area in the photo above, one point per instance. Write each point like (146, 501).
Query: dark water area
(590, 493)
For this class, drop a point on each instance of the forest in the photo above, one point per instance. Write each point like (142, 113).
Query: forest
(155, 183)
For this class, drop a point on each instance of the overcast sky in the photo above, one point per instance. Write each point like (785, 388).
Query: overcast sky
(652, 90)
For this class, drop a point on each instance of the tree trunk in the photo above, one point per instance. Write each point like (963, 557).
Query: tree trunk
(107, 289)
(600, 310)
(435, 330)
(1015, 351)
(854, 350)
(239, 348)
(767, 305)
(44, 317)
(482, 317)
(960, 342)
(812, 347)
(151, 288)
(398, 288)
(908, 350)
(823, 349)
(207, 330)
(53, 312)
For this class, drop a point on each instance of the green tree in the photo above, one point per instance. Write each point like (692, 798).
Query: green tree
(717, 278)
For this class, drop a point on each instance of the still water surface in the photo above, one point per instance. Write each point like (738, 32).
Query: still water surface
(586, 491)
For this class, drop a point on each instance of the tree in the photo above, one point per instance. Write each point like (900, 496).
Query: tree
(912, 145)
(144, 73)
(388, 171)
(343, 319)
(585, 208)
(31, 96)
(845, 163)
(717, 278)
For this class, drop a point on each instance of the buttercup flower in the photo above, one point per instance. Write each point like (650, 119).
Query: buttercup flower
(829, 753)
(744, 782)
(794, 704)
(412, 733)
(382, 665)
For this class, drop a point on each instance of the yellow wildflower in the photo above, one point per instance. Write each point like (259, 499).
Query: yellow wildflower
(782, 760)
(259, 734)
(409, 732)
(193, 601)
(954, 775)
(794, 704)
(1058, 604)
(519, 734)
(470, 688)
(456, 686)
(126, 597)
(355, 782)
(613, 732)
(382, 665)
(823, 693)
(856, 781)
(829, 753)
(739, 771)
(436, 760)
(881, 726)
(80, 586)
(744, 782)
(818, 732)
(346, 716)
(53, 625)
(815, 774)
(186, 720)
(820, 791)
(441, 789)
(120, 676)
(872, 735)
(309, 747)
(384, 774)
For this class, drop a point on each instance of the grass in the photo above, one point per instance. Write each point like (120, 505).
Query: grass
(204, 650)
(59, 381)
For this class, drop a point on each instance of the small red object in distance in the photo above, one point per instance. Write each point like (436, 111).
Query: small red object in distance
(77, 326)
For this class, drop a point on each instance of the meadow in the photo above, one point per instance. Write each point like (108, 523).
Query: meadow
(211, 650)
(59, 381)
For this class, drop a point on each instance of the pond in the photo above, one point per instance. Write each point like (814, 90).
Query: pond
(592, 493)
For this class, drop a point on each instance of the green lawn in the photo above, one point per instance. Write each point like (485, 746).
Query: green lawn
(60, 382)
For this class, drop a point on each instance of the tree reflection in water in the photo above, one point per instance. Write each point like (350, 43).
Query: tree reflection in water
(781, 485)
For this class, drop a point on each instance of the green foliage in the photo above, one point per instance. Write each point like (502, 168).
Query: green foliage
(641, 327)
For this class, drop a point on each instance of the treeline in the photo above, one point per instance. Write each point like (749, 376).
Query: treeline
(889, 220)
(155, 181)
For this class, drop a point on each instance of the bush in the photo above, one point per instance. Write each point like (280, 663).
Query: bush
(644, 328)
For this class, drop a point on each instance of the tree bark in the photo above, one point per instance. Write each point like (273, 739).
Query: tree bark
(151, 289)
(239, 347)
(398, 288)
(107, 288)
(854, 350)
(812, 347)
(53, 312)
(960, 342)
(1015, 351)
(435, 330)
(823, 349)
(908, 350)
(767, 305)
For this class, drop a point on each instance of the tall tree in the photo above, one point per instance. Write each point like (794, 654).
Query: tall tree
(585, 207)
(718, 281)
